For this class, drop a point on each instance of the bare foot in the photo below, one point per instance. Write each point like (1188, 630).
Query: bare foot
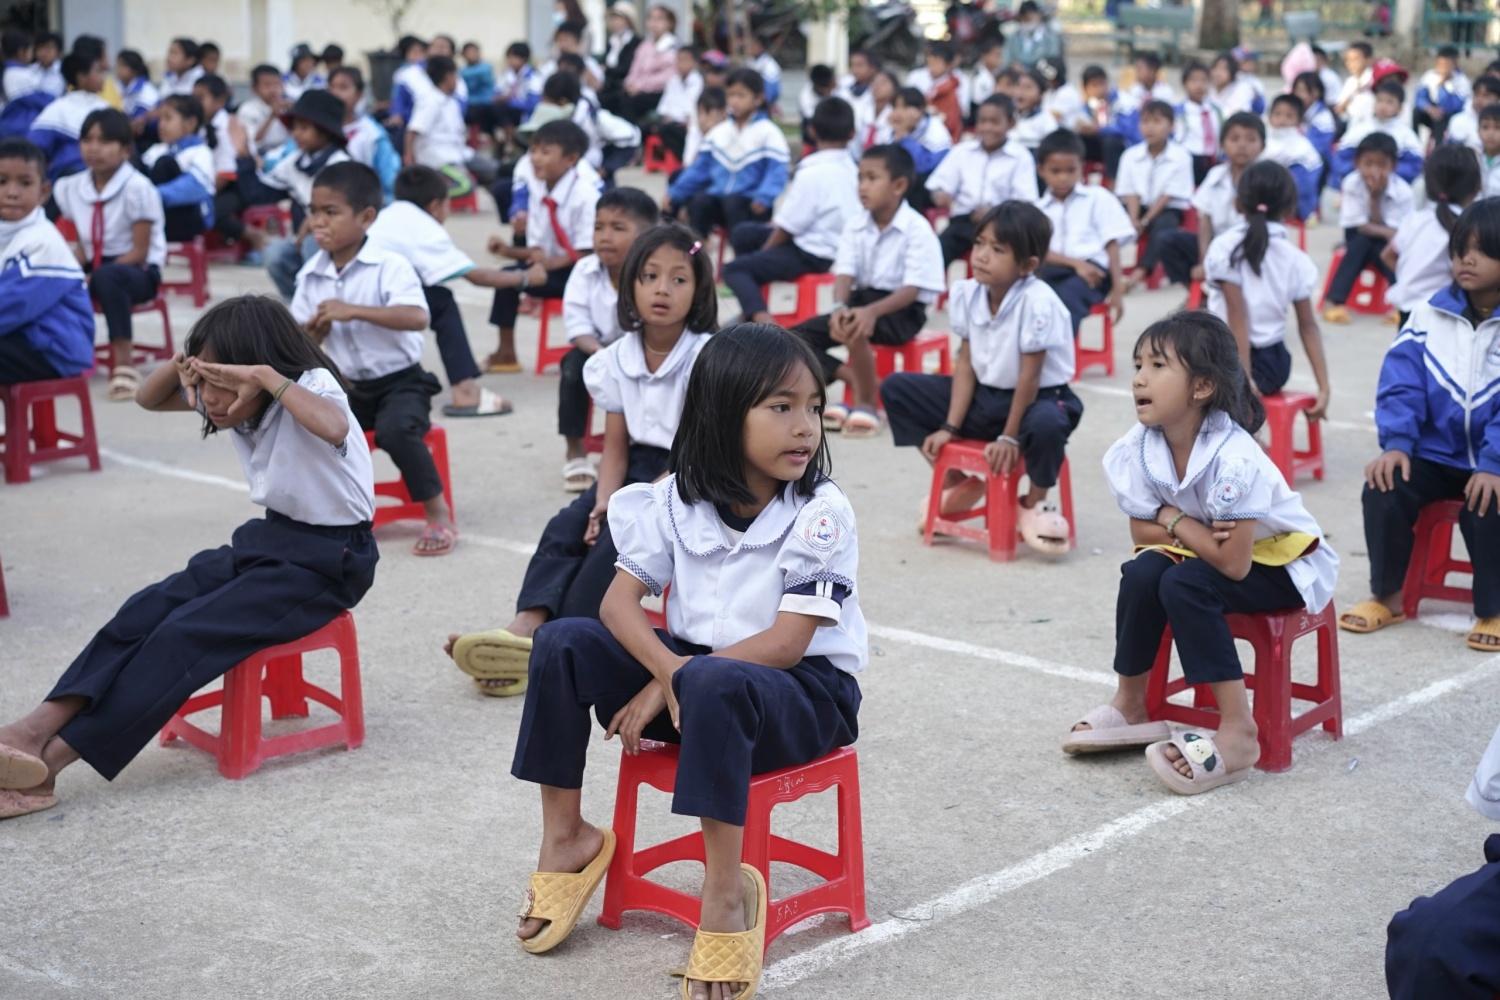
(723, 912)
(1239, 748)
(570, 853)
(963, 497)
(18, 736)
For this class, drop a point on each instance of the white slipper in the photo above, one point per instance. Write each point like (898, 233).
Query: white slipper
(1044, 529)
(1109, 731)
(834, 415)
(578, 475)
(1204, 760)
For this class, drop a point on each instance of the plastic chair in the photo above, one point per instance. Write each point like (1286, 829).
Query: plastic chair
(272, 218)
(842, 889)
(1001, 508)
(276, 674)
(1282, 409)
(1271, 635)
(549, 356)
(1088, 357)
(656, 158)
(911, 356)
(1368, 294)
(138, 353)
(467, 203)
(4, 603)
(806, 306)
(1432, 559)
(31, 432)
(195, 253)
(405, 508)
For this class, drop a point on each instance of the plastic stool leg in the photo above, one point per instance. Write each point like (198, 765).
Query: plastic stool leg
(351, 690)
(852, 848)
(283, 688)
(621, 868)
(1273, 696)
(239, 723)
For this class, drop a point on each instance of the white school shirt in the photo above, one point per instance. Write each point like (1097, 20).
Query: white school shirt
(1359, 91)
(1489, 169)
(197, 160)
(50, 79)
(1160, 91)
(298, 184)
(442, 137)
(820, 201)
(1290, 148)
(801, 555)
(1148, 177)
(1190, 131)
(932, 135)
(1333, 84)
(1463, 128)
(576, 197)
(906, 252)
(589, 300)
(223, 151)
(1354, 210)
(923, 81)
(406, 229)
(1483, 793)
(1066, 106)
(139, 97)
(375, 277)
(1030, 130)
(1238, 96)
(981, 86)
(66, 114)
(173, 83)
(362, 139)
(1422, 262)
(1215, 199)
(19, 80)
(1406, 139)
(974, 176)
(253, 113)
(1031, 318)
(1086, 222)
(679, 101)
(1287, 275)
(863, 104)
(591, 67)
(299, 475)
(1229, 478)
(295, 86)
(768, 68)
(128, 198)
(651, 402)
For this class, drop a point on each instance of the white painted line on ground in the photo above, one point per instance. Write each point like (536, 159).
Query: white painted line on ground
(969, 649)
(986, 889)
(176, 472)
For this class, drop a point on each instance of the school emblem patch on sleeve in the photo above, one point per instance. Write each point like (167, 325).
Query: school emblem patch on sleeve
(822, 532)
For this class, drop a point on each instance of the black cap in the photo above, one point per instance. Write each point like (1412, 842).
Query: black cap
(322, 110)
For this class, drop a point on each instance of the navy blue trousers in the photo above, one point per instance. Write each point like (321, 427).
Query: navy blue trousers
(1193, 598)
(1074, 291)
(507, 303)
(1270, 367)
(452, 339)
(753, 267)
(891, 330)
(276, 581)
(398, 408)
(567, 578)
(738, 718)
(917, 404)
(1360, 252)
(118, 287)
(1448, 945)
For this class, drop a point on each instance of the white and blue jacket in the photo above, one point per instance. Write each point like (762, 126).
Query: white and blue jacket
(1320, 127)
(23, 99)
(44, 296)
(1439, 391)
(195, 185)
(749, 161)
(55, 131)
(139, 97)
(1451, 95)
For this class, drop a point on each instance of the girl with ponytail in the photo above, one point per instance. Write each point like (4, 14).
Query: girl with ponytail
(1418, 253)
(1254, 275)
(1215, 530)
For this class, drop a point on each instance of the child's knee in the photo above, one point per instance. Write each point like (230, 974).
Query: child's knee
(560, 637)
(1183, 585)
(711, 685)
(1144, 572)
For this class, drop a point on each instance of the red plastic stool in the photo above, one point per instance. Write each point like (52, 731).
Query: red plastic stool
(276, 674)
(31, 434)
(272, 218)
(1432, 559)
(910, 357)
(1301, 228)
(138, 353)
(467, 203)
(1282, 409)
(195, 252)
(1272, 636)
(549, 356)
(4, 604)
(1087, 357)
(1001, 507)
(405, 508)
(1195, 294)
(656, 158)
(1368, 295)
(807, 299)
(841, 891)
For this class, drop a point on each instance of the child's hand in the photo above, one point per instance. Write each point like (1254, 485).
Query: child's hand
(188, 378)
(536, 274)
(1091, 274)
(1197, 273)
(836, 323)
(860, 325)
(1002, 456)
(1116, 304)
(638, 712)
(534, 255)
(496, 246)
(1482, 490)
(758, 208)
(1381, 473)
(242, 380)
(1223, 529)
(317, 328)
(596, 522)
(333, 311)
(934, 442)
(1320, 408)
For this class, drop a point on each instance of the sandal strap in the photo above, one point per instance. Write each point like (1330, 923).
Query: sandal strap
(1199, 751)
(719, 957)
(553, 895)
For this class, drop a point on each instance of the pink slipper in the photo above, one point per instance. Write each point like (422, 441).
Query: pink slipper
(13, 803)
(19, 769)
(1203, 758)
(1044, 529)
(1108, 730)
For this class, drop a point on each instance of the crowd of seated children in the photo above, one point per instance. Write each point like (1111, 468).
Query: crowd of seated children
(1387, 119)
(1089, 228)
(56, 129)
(1154, 180)
(803, 235)
(887, 270)
(1418, 253)
(181, 165)
(1375, 201)
(980, 173)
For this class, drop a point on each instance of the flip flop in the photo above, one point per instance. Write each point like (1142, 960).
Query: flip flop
(123, 383)
(1485, 626)
(496, 655)
(578, 475)
(862, 423)
(490, 405)
(19, 769)
(834, 415)
(1043, 529)
(495, 366)
(14, 803)
(559, 898)
(1203, 759)
(446, 533)
(1110, 731)
(491, 689)
(719, 957)
(1376, 617)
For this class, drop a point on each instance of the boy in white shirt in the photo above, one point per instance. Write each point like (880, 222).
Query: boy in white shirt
(1463, 128)
(364, 305)
(437, 136)
(1089, 226)
(1200, 122)
(855, 87)
(1390, 98)
(888, 269)
(986, 74)
(679, 101)
(766, 65)
(980, 173)
(1489, 151)
(1148, 85)
(803, 235)
(1374, 203)
(1356, 100)
(1155, 180)
(261, 113)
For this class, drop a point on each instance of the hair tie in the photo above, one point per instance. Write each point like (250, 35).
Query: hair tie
(1261, 208)
(695, 248)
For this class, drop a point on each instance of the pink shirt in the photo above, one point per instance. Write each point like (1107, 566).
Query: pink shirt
(654, 64)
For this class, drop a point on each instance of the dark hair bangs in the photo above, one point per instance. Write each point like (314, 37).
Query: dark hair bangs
(703, 313)
(1205, 347)
(1479, 225)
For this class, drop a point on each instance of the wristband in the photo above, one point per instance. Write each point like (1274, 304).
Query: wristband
(950, 429)
(1172, 526)
(281, 389)
(1007, 439)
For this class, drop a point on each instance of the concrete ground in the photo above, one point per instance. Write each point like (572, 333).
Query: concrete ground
(997, 866)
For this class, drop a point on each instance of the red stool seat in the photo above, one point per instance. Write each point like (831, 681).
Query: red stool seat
(1271, 635)
(807, 299)
(1085, 358)
(138, 353)
(549, 355)
(842, 889)
(1001, 507)
(195, 253)
(405, 508)
(911, 356)
(656, 158)
(276, 674)
(1282, 409)
(272, 218)
(1368, 295)
(467, 203)
(1432, 559)
(31, 432)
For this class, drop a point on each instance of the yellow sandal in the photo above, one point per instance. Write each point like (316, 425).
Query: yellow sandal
(732, 957)
(559, 898)
(1485, 626)
(1376, 617)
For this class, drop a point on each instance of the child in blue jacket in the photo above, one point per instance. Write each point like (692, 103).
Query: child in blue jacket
(741, 168)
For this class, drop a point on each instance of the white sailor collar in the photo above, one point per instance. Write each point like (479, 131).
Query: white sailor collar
(699, 530)
(632, 356)
(112, 187)
(1156, 453)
